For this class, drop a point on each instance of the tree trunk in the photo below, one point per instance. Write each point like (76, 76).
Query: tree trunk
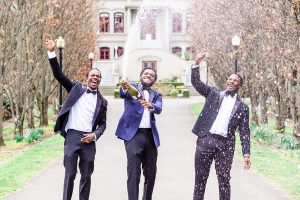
(263, 106)
(1, 117)
(279, 114)
(44, 112)
(30, 117)
(254, 104)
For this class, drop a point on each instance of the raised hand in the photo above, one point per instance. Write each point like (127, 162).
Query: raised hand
(146, 104)
(199, 58)
(247, 162)
(49, 43)
(125, 84)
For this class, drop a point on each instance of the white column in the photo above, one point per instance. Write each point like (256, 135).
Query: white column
(128, 18)
(182, 52)
(166, 30)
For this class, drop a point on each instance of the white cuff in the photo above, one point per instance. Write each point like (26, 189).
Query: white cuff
(51, 54)
(95, 137)
(194, 66)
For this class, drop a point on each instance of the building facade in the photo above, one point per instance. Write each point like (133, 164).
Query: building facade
(133, 34)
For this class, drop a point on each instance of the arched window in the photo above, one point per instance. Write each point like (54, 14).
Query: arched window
(148, 27)
(119, 52)
(177, 22)
(119, 22)
(104, 53)
(104, 22)
(177, 51)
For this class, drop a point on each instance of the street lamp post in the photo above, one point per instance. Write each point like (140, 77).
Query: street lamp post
(91, 58)
(60, 43)
(236, 43)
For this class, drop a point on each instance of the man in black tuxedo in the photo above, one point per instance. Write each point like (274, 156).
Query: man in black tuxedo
(81, 121)
(215, 127)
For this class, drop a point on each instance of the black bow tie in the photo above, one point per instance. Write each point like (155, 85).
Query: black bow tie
(231, 93)
(145, 88)
(91, 91)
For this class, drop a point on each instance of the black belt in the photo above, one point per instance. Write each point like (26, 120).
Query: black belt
(217, 136)
(73, 130)
(144, 130)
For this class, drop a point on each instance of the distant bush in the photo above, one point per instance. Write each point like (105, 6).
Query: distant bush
(268, 136)
(33, 134)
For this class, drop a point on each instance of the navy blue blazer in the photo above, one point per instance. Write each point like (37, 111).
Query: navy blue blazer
(75, 90)
(132, 115)
(239, 115)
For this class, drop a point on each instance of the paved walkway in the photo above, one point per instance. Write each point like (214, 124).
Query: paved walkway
(175, 177)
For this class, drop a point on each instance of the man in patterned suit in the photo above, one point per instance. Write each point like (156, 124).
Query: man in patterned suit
(215, 127)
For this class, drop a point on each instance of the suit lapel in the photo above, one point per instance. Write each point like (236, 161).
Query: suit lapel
(140, 90)
(222, 93)
(235, 107)
(151, 95)
(98, 106)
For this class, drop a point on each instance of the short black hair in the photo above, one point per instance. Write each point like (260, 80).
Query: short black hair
(240, 76)
(155, 78)
(87, 74)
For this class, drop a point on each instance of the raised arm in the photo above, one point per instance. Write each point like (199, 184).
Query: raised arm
(201, 87)
(57, 72)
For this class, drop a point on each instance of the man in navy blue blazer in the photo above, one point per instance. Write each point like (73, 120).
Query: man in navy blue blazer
(215, 127)
(81, 121)
(138, 130)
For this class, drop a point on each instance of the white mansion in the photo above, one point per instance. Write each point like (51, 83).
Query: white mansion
(132, 34)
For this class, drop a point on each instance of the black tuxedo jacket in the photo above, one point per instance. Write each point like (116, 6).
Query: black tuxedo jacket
(239, 115)
(75, 90)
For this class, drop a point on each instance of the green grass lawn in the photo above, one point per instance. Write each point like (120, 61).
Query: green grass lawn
(15, 171)
(279, 166)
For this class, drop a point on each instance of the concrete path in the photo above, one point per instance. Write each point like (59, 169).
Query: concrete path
(175, 177)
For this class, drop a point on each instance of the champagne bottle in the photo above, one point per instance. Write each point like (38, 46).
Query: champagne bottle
(134, 92)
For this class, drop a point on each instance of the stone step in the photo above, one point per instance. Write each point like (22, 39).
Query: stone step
(193, 91)
(107, 90)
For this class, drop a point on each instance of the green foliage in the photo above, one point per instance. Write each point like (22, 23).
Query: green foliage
(116, 93)
(19, 137)
(186, 93)
(283, 141)
(33, 134)
(173, 93)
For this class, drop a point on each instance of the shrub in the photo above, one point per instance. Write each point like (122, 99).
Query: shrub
(19, 137)
(173, 93)
(282, 141)
(186, 93)
(33, 134)
(116, 93)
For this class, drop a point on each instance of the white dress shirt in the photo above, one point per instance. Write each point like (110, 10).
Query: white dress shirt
(220, 125)
(82, 113)
(145, 123)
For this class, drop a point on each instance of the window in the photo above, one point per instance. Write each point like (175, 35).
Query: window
(190, 53)
(119, 23)
(177, 51)
(177, 22)
(104, 53)
(120, 52)
(148, 27)
(151, 64)
(104, 22)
